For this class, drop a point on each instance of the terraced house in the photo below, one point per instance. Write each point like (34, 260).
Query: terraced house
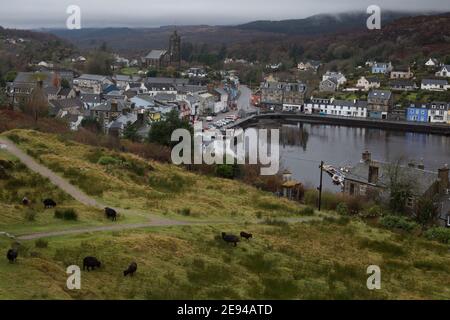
(379, 104)
(278, 94)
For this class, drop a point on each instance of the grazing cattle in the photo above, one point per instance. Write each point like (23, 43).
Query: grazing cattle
(246, 235)
(111, 214)
(131, 269)
(230, 238)
(91, 263)
(25, 201)
(12, 255)
(49, 203)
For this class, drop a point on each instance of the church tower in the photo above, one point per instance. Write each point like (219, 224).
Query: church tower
(175, 49)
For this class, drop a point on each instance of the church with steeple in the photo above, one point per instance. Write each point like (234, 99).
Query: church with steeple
(164, 58)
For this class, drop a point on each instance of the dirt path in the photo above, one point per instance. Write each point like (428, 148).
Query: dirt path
(64, 185)
(82, 197)
(77, 194)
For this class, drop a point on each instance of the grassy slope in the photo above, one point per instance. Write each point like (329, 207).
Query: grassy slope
(132, 185)
(319, 260)
(316, 260)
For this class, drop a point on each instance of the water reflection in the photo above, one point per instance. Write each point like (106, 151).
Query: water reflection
(303, 146)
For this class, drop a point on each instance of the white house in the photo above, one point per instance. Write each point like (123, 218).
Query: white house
(92, 82)
(338, 76)
(314, 105)
(345, 108)
(368, 83)
(123, 81)
(432, 62)
(434, 85)
(438, 112)
(444, 72)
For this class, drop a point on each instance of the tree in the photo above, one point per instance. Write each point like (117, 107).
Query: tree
(65, 83)
(426, 211)
(91, 124)
(161, 132)
(131, 133)
(38, 104)
(401, 187)
(100, 63)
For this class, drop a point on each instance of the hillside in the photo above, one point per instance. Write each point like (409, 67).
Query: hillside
(288, 258)
(18, 48)
(141, 40)
(322, 24)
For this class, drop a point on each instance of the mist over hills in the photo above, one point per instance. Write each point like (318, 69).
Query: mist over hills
(138, 39)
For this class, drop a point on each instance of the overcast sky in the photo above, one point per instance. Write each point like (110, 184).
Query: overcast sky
(152, 13)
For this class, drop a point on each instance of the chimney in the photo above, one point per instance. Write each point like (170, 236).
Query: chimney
(443, 179)
(366, 156)
(114, 105)
(373, 173)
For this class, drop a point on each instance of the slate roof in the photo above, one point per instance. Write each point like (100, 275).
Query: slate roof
(122, 121)
(437, 82)
(380, 94)
(92, 77)
(161, 80)
(106, 106)
(155, 54)
(422, 179)
(90, 98)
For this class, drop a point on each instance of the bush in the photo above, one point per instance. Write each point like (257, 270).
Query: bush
(438, 234)
(30, 215)
(68, 214)
(307, 211)
(372, 212)
(41, 243)
(342, 209)
(185, 211)
(397, 222)
(107, 160)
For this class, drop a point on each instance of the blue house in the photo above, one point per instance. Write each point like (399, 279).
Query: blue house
(418, 112)
(382, 67)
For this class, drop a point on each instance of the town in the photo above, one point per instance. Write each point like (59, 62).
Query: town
(150, 152)
(377, 90)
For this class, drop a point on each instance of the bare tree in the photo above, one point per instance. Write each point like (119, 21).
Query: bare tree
(38, 103)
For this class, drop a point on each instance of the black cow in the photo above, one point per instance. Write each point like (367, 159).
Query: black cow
(25, 201)
(131, 269)
(91, 263)
(230, 238)
(12, 255)
(49, 203)
(246, 235)
(111, 214)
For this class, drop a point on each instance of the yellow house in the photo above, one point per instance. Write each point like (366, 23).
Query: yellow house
(154, 115)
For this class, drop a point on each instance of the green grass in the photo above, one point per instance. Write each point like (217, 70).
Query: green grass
(320, 259)
(298, 261)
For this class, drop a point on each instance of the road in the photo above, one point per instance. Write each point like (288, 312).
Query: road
(244, 100)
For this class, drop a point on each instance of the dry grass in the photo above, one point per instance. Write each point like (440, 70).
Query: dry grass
(130, 182)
